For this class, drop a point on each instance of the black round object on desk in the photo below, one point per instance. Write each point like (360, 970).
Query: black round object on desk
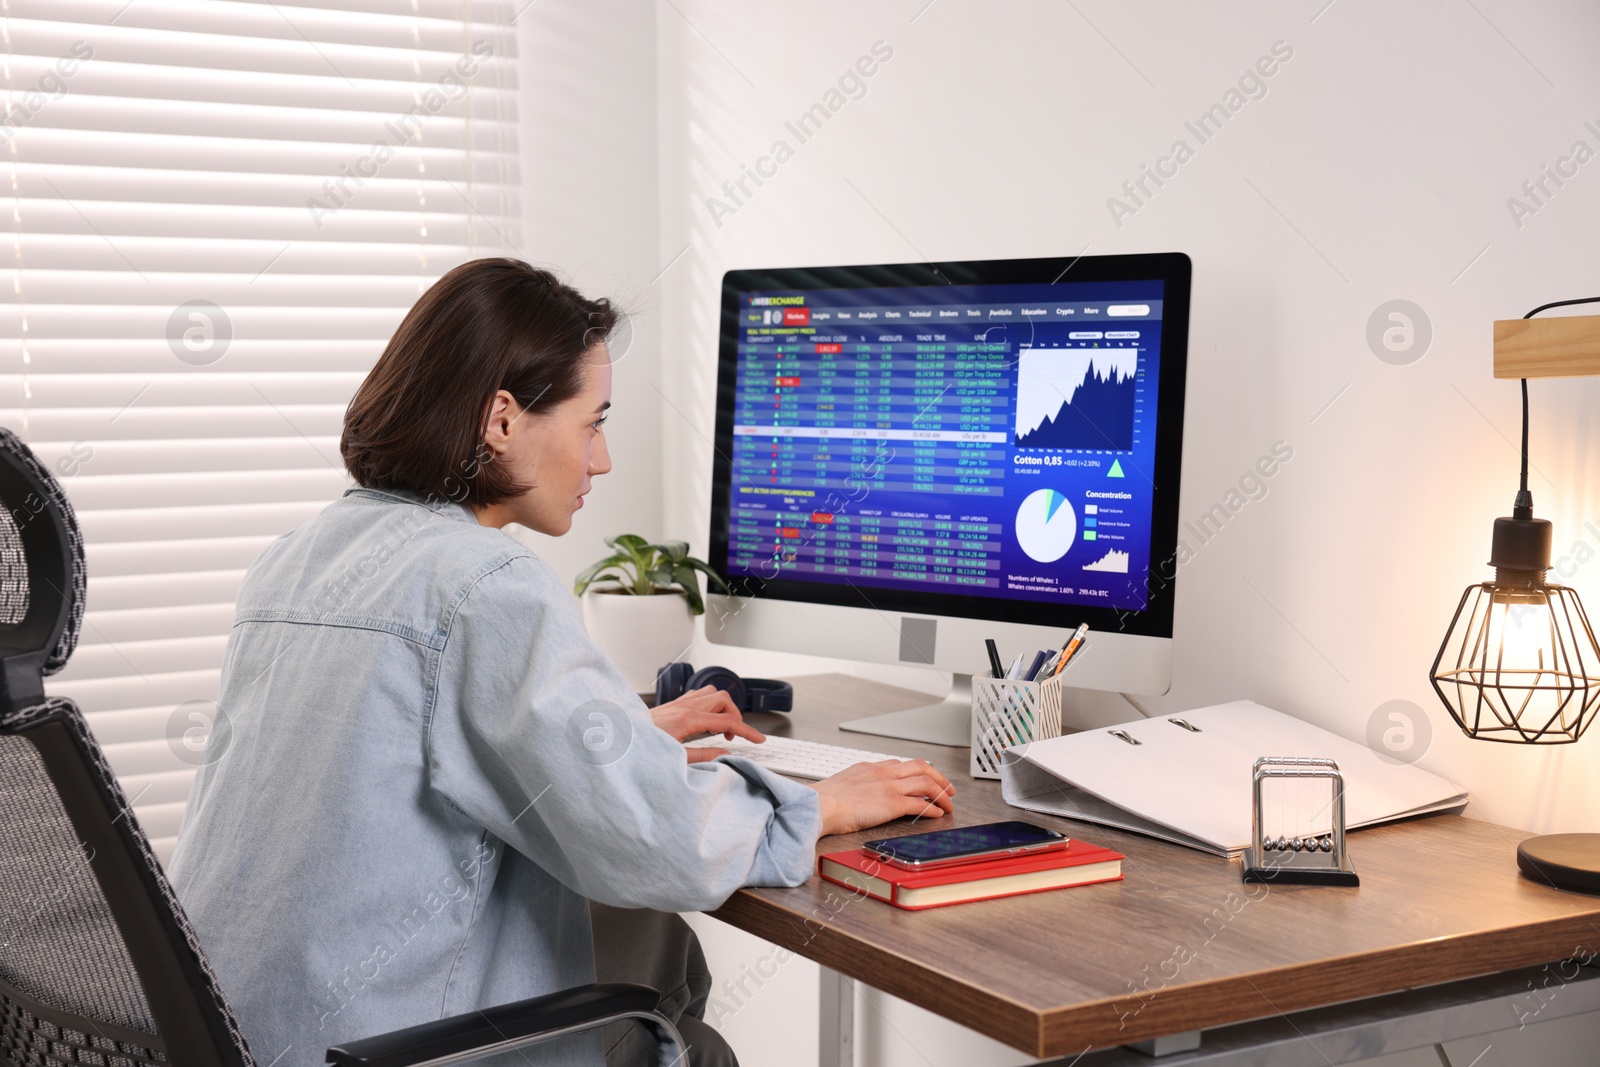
(1567, 861)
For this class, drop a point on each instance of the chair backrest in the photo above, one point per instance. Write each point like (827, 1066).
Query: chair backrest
(98, 965)
(41, 576)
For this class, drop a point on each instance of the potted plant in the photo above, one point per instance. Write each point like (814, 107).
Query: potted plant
(639, 604)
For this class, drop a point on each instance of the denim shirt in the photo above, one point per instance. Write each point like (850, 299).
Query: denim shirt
(421, 767)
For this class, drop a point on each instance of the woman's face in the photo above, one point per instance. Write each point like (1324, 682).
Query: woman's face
(557, 452)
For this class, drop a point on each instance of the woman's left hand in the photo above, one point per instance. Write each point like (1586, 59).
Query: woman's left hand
(707, 710)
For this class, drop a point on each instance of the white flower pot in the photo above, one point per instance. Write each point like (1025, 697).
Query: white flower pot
(639, 633)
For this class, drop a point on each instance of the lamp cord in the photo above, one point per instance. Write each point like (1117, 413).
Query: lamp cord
(1523, 508)
(1562, 304)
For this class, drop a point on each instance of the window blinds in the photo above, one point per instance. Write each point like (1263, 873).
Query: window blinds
(220, 211)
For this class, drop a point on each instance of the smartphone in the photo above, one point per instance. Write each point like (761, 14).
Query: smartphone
(943, 848)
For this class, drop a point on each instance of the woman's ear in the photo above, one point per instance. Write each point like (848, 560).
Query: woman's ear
(503, 411)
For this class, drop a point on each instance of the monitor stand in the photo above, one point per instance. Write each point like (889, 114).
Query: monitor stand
(948, 722)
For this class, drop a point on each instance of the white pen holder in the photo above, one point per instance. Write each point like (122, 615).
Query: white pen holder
(1009, 713)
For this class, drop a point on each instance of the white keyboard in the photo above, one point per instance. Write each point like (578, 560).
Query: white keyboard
(800, 759)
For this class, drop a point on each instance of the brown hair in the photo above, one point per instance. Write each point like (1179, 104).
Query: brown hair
(417, 422)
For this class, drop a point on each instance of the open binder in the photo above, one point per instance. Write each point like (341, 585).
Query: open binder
(1187, 778)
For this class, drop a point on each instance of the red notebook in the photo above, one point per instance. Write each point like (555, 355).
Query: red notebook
(1078, 864)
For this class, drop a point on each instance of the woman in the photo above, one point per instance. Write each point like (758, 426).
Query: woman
(421, 765)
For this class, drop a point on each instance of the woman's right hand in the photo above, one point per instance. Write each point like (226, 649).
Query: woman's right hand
(869, 794)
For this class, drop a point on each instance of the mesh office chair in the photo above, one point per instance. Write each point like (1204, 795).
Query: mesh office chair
(98, 964)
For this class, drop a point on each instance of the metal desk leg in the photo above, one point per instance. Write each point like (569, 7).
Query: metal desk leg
(836, 1032)
(1188, 1041)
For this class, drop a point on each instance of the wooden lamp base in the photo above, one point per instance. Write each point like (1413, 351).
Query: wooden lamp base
(1566, 861)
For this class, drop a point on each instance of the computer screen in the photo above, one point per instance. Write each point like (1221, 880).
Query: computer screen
(995, 441)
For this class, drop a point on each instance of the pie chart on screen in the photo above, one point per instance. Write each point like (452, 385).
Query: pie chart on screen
(1046, 526)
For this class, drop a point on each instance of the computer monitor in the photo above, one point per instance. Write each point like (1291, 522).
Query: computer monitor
(914, 457)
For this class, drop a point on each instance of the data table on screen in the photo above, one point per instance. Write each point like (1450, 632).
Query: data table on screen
(972, 439)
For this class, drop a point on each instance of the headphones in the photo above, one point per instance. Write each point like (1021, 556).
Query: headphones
(749, 694)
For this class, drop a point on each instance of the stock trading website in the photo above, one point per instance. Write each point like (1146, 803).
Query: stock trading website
(992, 441)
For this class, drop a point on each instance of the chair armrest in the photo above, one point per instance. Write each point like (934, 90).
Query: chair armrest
(478, 1033)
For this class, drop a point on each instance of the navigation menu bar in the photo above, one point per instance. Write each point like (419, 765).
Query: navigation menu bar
(794, 317)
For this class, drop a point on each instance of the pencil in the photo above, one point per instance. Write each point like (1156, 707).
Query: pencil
(1070, 649)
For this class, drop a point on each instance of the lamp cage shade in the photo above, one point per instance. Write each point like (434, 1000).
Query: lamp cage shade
(1519, 664)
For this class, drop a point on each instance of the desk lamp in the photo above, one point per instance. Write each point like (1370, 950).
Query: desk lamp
(1519, 663)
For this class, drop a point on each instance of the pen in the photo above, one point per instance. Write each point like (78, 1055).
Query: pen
(1033, 668)
(1070, 649)
(1014, 672)
(995, 670)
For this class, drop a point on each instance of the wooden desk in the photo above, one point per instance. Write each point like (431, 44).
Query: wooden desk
(1180, 944)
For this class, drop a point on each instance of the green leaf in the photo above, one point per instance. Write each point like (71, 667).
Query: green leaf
(591, 574)
(676, 551)
(661, 576)
(614, 582)
(689, 588)
(635, 565)
(685, 577)
(628, 542)
(712, 577)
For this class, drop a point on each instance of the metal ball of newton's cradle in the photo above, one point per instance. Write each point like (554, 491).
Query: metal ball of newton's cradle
(1312, 843)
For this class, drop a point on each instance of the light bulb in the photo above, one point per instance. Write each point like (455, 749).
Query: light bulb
(1520, 633)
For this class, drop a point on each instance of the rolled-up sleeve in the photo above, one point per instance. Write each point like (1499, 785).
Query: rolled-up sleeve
(535, 734)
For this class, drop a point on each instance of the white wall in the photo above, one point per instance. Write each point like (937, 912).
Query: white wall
(1376, 167)
(587, 137)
